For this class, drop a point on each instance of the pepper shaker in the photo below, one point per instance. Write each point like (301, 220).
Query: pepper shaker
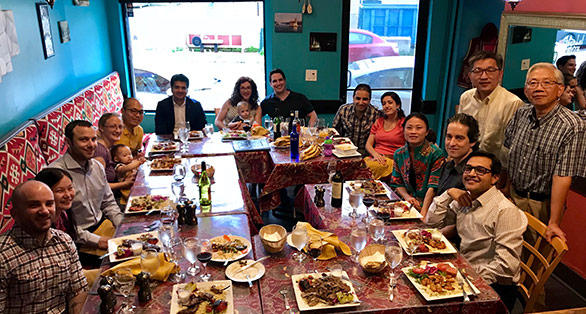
(108, 299)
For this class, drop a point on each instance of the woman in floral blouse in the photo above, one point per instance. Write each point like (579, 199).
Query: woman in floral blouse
(417, 165)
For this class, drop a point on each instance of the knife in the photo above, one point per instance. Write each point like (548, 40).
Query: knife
(250, 265)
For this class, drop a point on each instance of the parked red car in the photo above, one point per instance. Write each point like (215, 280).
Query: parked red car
(365, 45)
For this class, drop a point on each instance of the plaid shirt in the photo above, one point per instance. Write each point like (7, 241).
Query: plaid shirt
(543, 147)
(348, 124)
(38, 277)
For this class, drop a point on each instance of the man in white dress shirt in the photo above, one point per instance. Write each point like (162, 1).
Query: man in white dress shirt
(490, 225)
(489, 103)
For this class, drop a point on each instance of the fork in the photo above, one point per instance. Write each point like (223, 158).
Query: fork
(284, 293)
(249, 281)
(461, 283)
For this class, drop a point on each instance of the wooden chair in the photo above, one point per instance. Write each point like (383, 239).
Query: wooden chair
(539, 260)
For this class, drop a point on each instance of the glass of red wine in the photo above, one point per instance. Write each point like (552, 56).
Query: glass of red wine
(314, 246)
(368, 202)
(204, 256)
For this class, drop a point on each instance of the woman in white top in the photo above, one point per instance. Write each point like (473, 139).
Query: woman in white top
(244, 90)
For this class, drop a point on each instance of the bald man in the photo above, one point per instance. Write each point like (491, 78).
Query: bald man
(39, 267)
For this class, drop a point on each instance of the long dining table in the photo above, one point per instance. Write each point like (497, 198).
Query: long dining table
(231, 215)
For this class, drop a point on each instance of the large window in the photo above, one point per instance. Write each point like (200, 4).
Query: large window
(212, 43)
(382, 47)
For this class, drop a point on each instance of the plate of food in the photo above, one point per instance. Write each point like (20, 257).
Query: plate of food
(395, 210)
(254, 272)
(423, 242)
(368, 187)
(234, 135)
(193, 135)
(318, 291)
(127, 247)
(164, 147)
(283, 142)
(438, 281)
(164, 163)
(229, 248)
(323, 132)
(203, 297)
(146, 203)
(341, 141)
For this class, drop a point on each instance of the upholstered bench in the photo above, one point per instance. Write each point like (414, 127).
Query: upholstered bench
(41, 140)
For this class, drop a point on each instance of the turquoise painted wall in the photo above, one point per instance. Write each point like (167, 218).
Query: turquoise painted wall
(290, 51)
(539, 49)
(35, 83)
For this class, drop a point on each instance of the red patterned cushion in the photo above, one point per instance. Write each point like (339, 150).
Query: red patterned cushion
(20, 159)
(51, 138)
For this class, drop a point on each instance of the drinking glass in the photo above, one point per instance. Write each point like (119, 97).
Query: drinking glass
(209, 129)
(175, 254)
(269, 125)
(204, 256)
(187, 126)
(149, 262)
(312, 131)
(321, 124)
(125, 281)
(376, 228)
(190, 250)
(299, 239)
(358, 239)
(179, 172)
(184, 138)
(355, 201)
(368, 202)
(177, 188)
(411, 243)
(314, 246)
(393, 255)
(331, 170)
(166, 232)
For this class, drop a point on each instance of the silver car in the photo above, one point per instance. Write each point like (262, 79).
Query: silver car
(383, 74)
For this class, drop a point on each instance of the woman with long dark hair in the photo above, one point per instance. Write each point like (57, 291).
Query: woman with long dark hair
(244, 90)
(386, 136)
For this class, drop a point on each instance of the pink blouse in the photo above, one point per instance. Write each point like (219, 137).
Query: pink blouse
(387, 142)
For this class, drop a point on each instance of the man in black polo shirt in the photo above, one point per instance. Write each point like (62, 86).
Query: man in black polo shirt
(286, 100)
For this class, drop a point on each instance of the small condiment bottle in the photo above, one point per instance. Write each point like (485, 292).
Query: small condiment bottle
(328, 145)
(181, 211)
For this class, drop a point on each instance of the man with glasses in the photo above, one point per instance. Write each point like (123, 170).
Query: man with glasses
(489, 103)
(490, 225)
(132, 115)
(546, 142)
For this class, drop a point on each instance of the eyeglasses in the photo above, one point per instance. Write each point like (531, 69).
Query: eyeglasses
(478, 169)
(544, 84)
(488, 71)
(114, 127)
(135, 111)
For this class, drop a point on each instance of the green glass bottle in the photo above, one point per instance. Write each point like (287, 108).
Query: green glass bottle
(205, 190)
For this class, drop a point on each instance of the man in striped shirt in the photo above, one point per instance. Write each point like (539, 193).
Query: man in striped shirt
(39, 267)
(491, 226)
(546, 149)
(355, 120)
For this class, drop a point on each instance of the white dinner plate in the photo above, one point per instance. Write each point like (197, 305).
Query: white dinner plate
(254, 272)
(303, 306)
(399, 234)
(429, 296)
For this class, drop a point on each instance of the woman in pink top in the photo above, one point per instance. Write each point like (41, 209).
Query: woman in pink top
(386, 136)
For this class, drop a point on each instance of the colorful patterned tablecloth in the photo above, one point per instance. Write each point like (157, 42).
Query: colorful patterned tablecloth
(287, 173)
(246, 300)
(372, 290)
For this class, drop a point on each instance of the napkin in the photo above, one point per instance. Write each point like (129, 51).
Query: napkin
(333, 242)
(106, 229)
(165, 268)
(377, 257)
(275, 236)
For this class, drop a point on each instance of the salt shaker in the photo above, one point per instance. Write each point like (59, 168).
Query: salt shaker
(319, 196)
